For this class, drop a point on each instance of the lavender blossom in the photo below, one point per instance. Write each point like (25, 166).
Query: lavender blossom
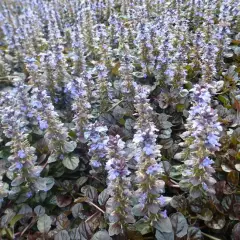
(202, 137)
(147, 156)
(96, 135)
(118, 185)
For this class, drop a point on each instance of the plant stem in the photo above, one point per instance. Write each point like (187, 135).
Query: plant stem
(210, 237)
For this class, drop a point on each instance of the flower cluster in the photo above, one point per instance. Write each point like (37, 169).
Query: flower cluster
(96, 134)
(147, 156)
(202, 137)
(119, 186)
(56, 135)
(24, 170)
(109, 87)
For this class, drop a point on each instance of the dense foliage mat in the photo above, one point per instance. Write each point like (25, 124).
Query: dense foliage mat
(119, 119)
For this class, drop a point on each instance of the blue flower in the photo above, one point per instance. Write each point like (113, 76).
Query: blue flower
(204, 186)
(154, 169)
(19, 165)
(213, 140)
(142, 198)
(113, 174)
(161, 199)
(148, 149)
(29, 194)
(206, 162)
(164, 214)
(21, 154)
(96, 163)
(43, 124)
(37, 104)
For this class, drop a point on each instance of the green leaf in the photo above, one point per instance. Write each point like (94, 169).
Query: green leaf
(195, 192)
(233, 178)
(143, 227)
(16, 219)
(137, 210)
(69, 146)
(44, 184)
(80, 181)
(178, 202)
(103, 197)
(71, 162)
(7, 217)
(138, 74)
(25, 210)
(101, 235)
(183, 93)
(63, 200)
(77, 211)
(194, 234)
(163, 225)
(114, 229)
(223, 99)
(164, 236)
(52, 158)
(39, 210)
(89, 191)
(74, 233)
(206, 214)
(44, 223)
(236, 232)
(179, 224)
(180, 107)
(62, 235)
(218, 222)
(236, 210)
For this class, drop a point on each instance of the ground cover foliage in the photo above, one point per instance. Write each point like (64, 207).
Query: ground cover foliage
(119, 119)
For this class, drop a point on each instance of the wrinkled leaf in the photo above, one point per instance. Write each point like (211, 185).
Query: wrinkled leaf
(44, 184)
(62, 222)
(137, 210)
(163, 225)
(236, 210)
(39, 210)
(194, 234)
(218, 222)
(143, 227)
(114, 229)
(206, 214)
(164, 236)
(62, 235)
(236, 232)
(63, 200)
(75, 234)
(52, 158)
(71, 162)
(15, 219)
(77, 210)
(103, 197)
(80, 181)
(44, 223)
(69, 146)
(179, 224)
(233, 178)
(89, 191)
(25, 210)
(101, 235)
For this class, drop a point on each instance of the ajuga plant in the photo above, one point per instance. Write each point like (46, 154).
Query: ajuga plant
(148, 159)
(202, 140)
(119, 119)
(119, 187)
